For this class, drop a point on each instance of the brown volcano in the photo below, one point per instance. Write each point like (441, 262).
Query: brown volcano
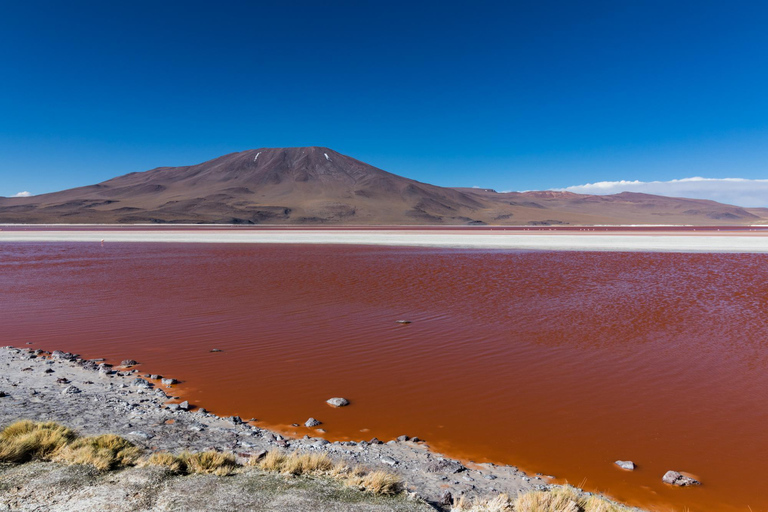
(316, 185)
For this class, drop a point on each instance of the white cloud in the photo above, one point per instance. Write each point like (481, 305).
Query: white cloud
(22, 194)
(738, 191)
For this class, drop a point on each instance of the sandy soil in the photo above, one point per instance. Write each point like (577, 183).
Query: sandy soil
(742, 242)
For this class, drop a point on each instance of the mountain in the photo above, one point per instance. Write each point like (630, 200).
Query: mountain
(315, 185)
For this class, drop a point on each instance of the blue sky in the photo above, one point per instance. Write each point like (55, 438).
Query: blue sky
(507, 95)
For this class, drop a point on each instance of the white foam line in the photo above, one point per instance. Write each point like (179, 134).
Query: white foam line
(553, 242)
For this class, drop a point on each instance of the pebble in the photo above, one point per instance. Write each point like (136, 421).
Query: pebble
(312, 422)
(403, 321)
(625, 464)
(678, 479)
(128, 362)
(337, 402)
(388, 460)
(184, 406)
(71, 390)
(169, 382)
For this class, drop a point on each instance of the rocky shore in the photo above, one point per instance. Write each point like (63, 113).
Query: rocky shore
(94, 398)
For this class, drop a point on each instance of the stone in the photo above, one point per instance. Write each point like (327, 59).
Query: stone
(388, 460)
(2, 394)
(154, 376)
(48, 370)
(446, 500)
(216, 350)
(128, 362)
(62, 380)
(169, 382)
(678, 479)
(403, 322)
(337, 402)
(625, 464)
(140, 434)
(237, 420)
(445, 466)
(141, 383)
(375, 440)
(312, 422)
(402, 438)
(174, 407)
(202, 411)
(71, 390)
(184, 406)
(58, 354)
(259, 455)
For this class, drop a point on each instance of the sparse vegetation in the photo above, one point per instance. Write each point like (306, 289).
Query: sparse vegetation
(173, 463)
(103, 452)
(380, 483)
(564, 498)
(26, 440)
(210, 462)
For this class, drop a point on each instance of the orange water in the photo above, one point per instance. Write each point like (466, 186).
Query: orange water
(559, 362)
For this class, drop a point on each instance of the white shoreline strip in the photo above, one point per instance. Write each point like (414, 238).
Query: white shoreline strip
(498, 240)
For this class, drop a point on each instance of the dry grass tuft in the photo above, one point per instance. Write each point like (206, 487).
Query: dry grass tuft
(381, 483)
(26, 440)
(103, 452)
(210, 462)
(169, 461)
(273, 461)
(296, 463)
(317, 464)
(563, 498)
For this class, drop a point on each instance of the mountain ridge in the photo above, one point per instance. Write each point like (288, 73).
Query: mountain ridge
(317, 185)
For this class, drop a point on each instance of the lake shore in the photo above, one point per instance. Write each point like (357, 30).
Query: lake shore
(667, 241)
(75, 392)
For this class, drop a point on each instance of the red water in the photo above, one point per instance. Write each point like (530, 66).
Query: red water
(559, 362)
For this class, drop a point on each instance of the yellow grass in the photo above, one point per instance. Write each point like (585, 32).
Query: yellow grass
(104, 452)
(563, 498)
(295, 463)
(316, 464)
(169, 461)
(382, 483)
(210, 462)
(26, 440)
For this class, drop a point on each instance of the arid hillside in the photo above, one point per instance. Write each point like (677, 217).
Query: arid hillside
(317, 186)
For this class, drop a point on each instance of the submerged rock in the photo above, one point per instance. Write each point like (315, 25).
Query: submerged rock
(625, 464)
(678, 479)
(337, 402)
(312, 422)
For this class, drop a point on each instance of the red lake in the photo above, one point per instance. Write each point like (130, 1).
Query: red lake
(557, 362)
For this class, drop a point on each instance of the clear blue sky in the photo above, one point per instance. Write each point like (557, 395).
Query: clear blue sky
(509, 95)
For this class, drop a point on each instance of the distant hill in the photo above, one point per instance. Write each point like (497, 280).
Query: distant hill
(315, 185)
